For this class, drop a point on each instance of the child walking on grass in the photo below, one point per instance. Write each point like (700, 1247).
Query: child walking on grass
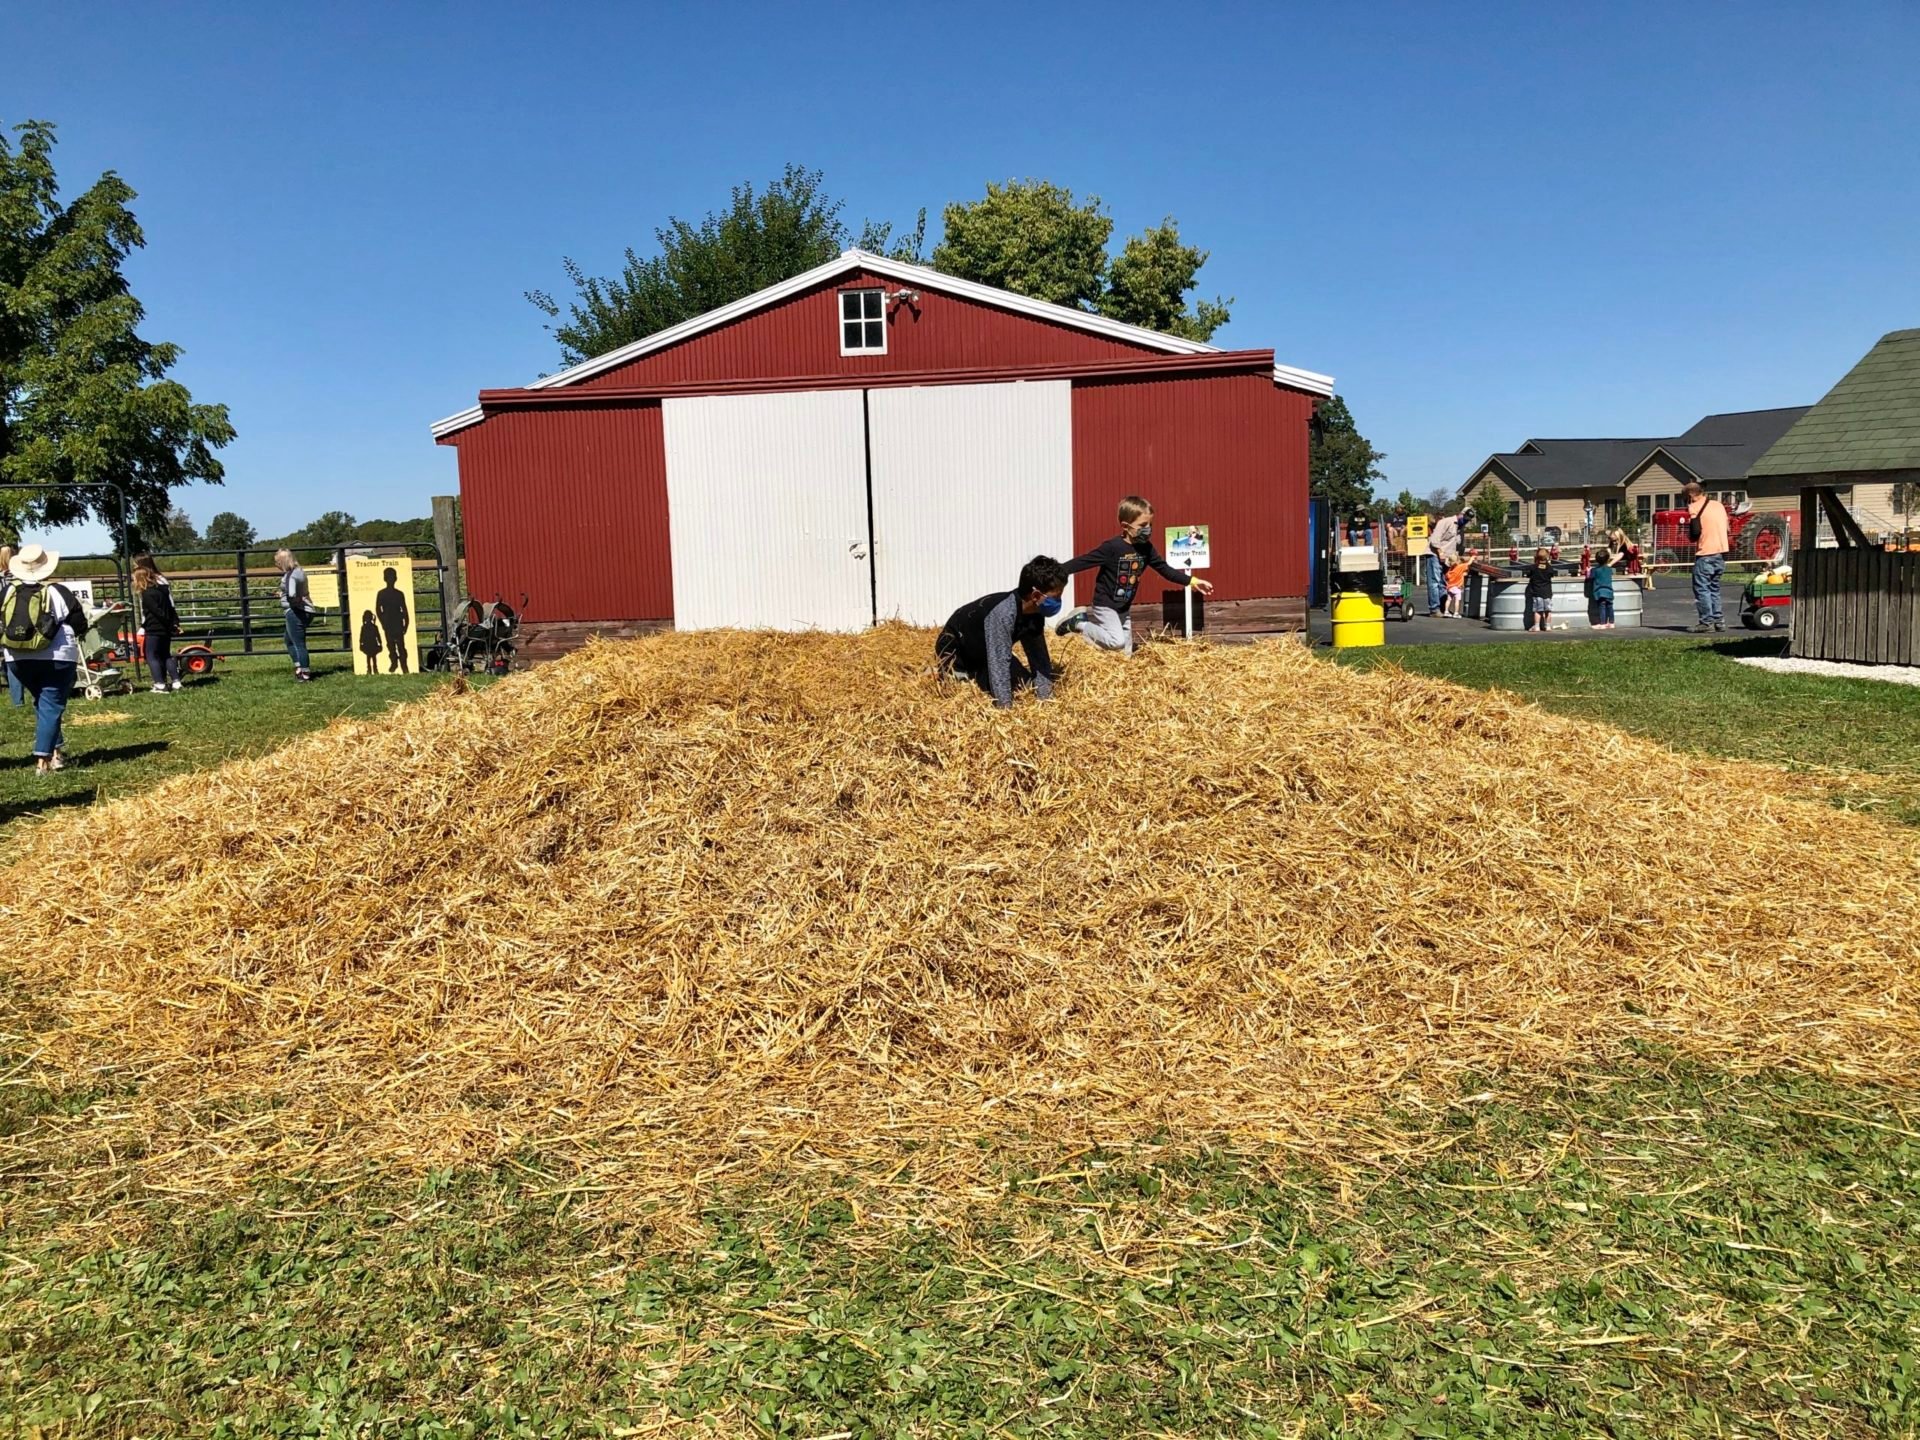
(1108, 622)
(1600, 591)
(1539, 592)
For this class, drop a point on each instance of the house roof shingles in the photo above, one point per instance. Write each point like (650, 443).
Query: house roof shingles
(1869, 421)
(1717, 448)
(1575, 464)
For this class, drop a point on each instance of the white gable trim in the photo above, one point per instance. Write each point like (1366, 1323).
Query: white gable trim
(1298, 379)
(909, 275)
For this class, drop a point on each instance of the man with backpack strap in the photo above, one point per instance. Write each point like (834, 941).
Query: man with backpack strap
(41, 624)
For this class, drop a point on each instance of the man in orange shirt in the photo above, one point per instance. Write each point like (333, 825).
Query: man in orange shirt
(1707, 527)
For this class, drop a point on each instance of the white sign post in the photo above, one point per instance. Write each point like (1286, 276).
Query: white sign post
(1191, 547)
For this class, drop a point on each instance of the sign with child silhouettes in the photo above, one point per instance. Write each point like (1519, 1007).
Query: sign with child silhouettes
(380, 602)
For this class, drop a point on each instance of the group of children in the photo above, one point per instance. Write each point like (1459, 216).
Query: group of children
(1599, 588)
(1539, 577)
(978, 639)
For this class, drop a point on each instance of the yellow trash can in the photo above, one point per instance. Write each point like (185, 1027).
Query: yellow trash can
(1359, 620)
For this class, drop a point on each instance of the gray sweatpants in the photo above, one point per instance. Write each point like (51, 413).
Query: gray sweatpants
(1108, 629)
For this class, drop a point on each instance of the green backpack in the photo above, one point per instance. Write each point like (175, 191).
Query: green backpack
(27, 621)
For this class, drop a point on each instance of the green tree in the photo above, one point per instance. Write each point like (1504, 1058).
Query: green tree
(1489, 507)
(83, 398)
(175, 532)
(761, 238)
(1033, 238)
(1342, 464)
(336, 527)
(1148, 281)
(227, 531)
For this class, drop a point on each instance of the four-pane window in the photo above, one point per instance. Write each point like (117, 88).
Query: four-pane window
(863, 327)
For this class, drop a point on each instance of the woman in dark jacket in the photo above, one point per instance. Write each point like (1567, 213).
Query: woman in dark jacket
(160, 620)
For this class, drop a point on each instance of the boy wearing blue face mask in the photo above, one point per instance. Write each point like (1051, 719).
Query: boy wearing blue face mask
(978, 641)
(1108, 622)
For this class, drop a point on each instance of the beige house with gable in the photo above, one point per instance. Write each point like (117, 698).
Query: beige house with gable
(1549, 484)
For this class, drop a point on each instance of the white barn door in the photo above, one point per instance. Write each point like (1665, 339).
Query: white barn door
(969, 483)
(767, 511)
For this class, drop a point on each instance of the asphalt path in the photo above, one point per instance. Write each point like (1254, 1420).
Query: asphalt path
(1666, 610)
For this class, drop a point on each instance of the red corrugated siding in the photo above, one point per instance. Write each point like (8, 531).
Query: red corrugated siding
(1226, 451)
(800, 336)
(571, 507)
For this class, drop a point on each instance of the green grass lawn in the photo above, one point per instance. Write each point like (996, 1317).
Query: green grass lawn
(1690, 695)
(245, 707)
(1650, 1251)
(1646, 1250)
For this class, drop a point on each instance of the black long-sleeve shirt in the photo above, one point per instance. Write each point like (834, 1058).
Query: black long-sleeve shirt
(156, 610)
(1121, 562)
(979, 638)
(1540, 582)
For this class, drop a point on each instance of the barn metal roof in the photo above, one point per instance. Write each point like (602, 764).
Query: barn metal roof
(918, 276)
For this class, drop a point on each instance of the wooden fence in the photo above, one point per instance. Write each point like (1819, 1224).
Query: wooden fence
(1857, 604)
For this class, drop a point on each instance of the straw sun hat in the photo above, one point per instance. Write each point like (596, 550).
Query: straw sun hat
(33, 563)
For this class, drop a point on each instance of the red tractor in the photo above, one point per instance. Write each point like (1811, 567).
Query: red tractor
(1752, 535)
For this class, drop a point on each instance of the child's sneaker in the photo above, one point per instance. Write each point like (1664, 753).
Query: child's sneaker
(158, 690)
(1070, 622)
(173, 685)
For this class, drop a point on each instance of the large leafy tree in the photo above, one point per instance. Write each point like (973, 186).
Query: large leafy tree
(336, 527)
(759, 239)
(1343, 464)
(1034, 238)
(175, 532)
(228, 531)
(83, 398)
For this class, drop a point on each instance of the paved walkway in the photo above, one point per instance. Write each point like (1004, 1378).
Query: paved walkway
(1667, 610)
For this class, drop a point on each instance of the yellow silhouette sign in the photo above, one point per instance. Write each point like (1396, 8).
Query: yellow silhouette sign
(380, 605)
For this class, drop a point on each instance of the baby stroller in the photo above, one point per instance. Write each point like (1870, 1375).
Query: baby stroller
(480, 637)
(100, 675)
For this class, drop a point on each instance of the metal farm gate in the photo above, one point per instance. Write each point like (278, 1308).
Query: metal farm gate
(229, 600)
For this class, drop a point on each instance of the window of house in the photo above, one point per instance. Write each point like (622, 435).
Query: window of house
(863, 327)
(1513, 514)
(1613, 513)
(1643, 508)
(1539, 514)
(1663, 502)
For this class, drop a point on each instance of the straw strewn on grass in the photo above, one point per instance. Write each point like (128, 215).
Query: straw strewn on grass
(719, 902)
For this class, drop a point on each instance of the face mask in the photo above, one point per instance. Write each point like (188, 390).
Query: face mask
(1143, 534)
(1050, 605)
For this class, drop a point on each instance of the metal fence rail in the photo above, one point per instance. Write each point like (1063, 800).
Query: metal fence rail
(238, 604)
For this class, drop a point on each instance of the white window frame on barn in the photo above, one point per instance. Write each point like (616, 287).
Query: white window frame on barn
(863, 312)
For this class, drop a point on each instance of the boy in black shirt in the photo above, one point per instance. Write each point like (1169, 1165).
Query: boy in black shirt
(977, 643)
(1108, 622)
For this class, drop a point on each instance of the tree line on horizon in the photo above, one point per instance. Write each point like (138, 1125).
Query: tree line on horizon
(85, 400)
(229, 531)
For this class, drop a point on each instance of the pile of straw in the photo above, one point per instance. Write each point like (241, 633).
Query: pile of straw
(719, 903)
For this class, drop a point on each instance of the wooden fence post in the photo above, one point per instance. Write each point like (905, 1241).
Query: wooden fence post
(446, 535)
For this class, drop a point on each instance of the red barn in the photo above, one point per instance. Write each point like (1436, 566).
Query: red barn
(874, 440)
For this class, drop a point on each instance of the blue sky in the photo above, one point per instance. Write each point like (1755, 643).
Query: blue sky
(1488, 221)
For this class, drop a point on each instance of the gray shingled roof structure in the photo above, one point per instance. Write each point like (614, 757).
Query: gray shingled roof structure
(1869, 421)
(1574, 464)
(1724, 447)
